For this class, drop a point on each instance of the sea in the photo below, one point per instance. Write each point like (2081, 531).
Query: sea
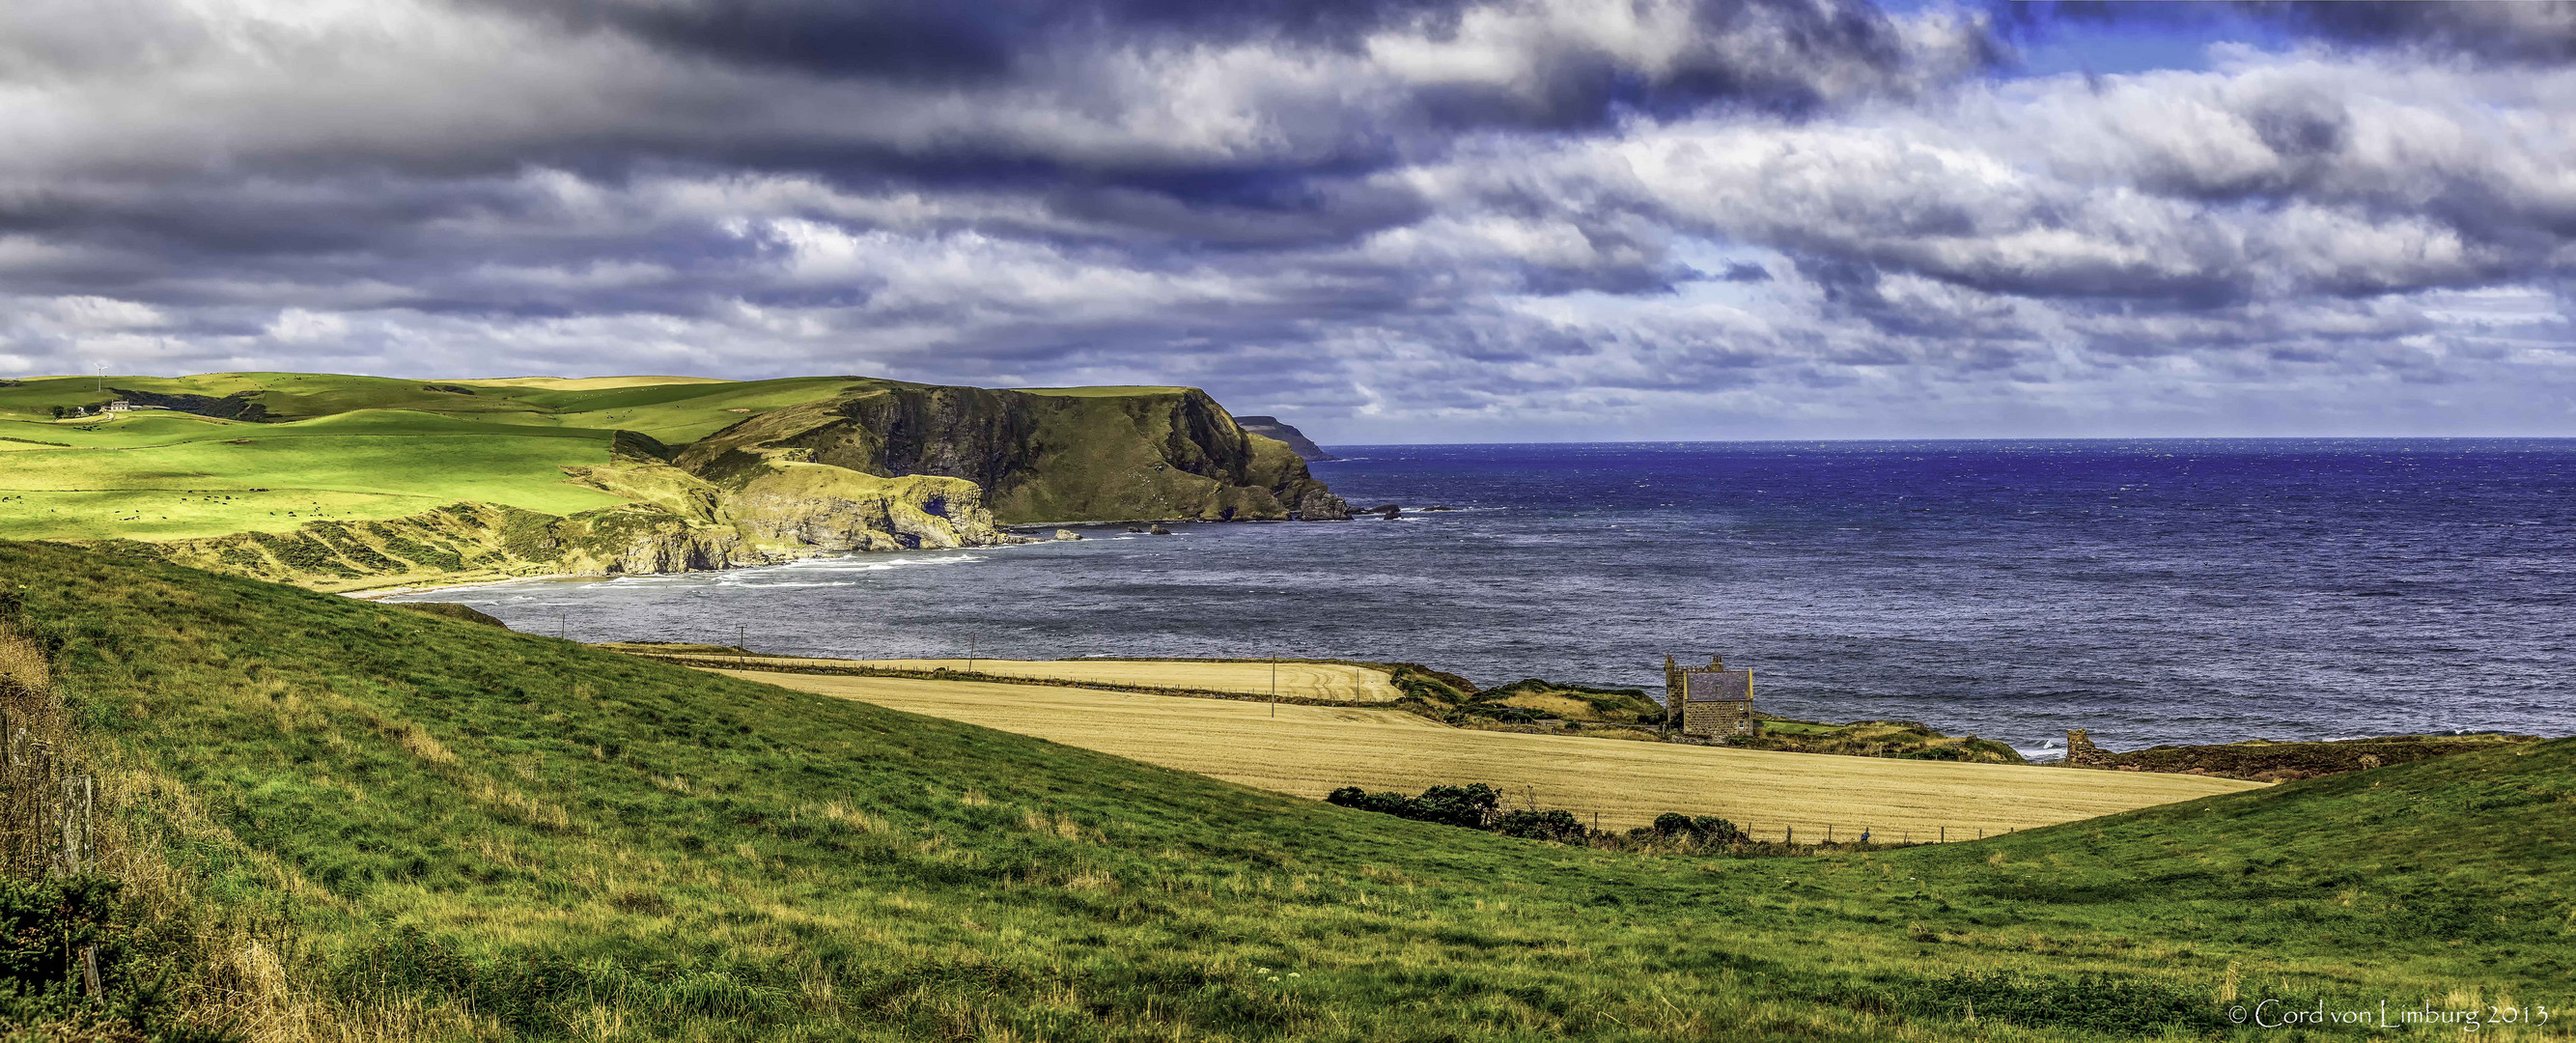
(2153, 591)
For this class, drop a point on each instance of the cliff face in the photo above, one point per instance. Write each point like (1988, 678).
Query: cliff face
(679, 523)
(1039, 456)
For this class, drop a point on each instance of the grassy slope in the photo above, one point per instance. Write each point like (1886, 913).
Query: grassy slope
(586, 383)
(428, 812)
(1079, 476)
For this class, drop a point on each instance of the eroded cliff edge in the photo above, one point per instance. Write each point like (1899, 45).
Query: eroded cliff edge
(876, 466)
(1041, 456)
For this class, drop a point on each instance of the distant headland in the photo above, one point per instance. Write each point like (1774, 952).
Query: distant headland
(1271, 427)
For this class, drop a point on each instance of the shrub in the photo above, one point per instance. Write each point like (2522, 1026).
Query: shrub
(50, 931)
(1706, 828)
(1470, 806)
(1558, 825)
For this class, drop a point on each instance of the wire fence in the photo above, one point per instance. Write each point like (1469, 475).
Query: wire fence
(1870, 834)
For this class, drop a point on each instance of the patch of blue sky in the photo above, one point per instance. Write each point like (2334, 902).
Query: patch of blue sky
(2052, 39)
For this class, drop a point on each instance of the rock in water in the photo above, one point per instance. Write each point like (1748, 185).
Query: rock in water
(1270, 427)
(1067, 534)
(1320, 505)
(1388, 511)
(1159, 531)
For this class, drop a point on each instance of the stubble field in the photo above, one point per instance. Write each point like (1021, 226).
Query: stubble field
(1309, 751)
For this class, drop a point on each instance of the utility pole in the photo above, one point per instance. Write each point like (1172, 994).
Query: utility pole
(741, 647)
(970, 653)
(563, 622)
(1274, 685)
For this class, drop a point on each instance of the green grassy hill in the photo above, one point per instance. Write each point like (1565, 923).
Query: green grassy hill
(176, 476)
(345, 481)
(352, 821)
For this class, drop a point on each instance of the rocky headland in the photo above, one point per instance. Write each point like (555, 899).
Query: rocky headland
(873, 466)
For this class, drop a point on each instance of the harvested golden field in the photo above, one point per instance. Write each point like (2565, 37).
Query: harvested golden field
(1311, 750)
(1330, 682)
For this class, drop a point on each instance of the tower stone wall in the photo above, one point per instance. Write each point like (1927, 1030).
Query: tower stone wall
(2080, 748)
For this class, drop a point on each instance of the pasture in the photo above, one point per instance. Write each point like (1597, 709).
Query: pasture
(1309, 751)
(671, 409)
(175, 476)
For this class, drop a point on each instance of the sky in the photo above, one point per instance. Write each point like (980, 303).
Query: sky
(1381, 220)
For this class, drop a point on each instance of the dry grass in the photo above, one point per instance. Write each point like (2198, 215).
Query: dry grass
(1309, 751)
(22, 665)
(1326, 682)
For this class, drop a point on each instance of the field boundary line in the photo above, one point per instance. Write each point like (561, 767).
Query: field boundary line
(717, 662)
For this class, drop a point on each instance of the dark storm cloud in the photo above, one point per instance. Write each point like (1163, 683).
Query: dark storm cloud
(1792, 54)
(950, 43)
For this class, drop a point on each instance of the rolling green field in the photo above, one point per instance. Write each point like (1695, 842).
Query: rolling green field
(170, 476)
(335, 448)
(340, 820)
(683, 411)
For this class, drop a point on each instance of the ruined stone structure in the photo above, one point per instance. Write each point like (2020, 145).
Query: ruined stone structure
(1709, 700)
(2080, 748)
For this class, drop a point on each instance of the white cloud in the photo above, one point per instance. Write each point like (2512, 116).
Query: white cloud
(302, 326)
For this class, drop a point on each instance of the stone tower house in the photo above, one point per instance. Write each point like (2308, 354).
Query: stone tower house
(1709, 700)
(2080, 748)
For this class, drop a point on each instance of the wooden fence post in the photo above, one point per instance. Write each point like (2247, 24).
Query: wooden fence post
(76, 806)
